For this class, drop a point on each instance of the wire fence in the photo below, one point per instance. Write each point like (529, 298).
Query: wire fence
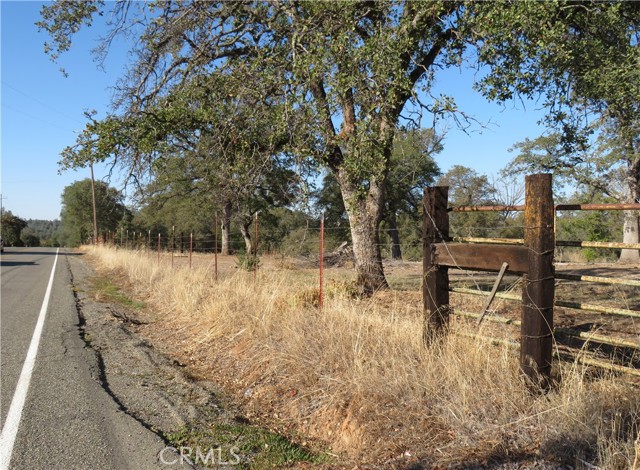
(622, 353)
(579, 320)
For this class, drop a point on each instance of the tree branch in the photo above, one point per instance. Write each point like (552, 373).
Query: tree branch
(320, 95)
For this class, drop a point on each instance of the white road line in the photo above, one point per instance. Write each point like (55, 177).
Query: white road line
(11, 424)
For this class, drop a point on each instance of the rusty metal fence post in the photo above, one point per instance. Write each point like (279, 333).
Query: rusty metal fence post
(435, 282)
(255, 251)
(536, 333)
(215, 247)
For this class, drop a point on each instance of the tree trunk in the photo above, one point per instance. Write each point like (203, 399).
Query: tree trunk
(631, 227)
(365, 214)
(225, 229)
(631, 230)
(246, 235)
(396, 252)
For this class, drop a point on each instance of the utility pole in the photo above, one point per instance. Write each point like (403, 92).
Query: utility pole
(1, 206)
(95, 216)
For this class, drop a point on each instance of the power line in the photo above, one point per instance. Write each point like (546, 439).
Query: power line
(4, 105)
(42, 103)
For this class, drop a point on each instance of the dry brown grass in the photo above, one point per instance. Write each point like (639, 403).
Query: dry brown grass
(357, 377)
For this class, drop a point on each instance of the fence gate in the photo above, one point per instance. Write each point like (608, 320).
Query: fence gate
(534, 261)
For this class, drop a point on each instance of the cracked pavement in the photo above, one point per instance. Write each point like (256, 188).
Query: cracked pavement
(99, 397)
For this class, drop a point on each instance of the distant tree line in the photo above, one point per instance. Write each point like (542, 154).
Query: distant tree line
(293, 230)
(31, 232)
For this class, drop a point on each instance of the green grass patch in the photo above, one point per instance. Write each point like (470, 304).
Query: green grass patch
(241, 445)
(105, 290)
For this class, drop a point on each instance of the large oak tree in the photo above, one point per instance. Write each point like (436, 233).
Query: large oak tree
(351, 66)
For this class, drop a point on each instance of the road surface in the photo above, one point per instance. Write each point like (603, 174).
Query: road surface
(57, 414)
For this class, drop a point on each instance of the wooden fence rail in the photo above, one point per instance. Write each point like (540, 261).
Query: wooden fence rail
(531, 257)
(558, 303)
(579, 244)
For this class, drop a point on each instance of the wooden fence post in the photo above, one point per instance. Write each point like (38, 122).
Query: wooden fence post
(536, 333)
(435, 283)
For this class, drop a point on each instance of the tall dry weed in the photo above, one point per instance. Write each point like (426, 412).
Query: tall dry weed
(357, 376)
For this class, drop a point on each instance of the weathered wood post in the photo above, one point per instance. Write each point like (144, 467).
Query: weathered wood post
(435, 282)
(536, 333)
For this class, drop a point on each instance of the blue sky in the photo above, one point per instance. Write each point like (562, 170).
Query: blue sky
(41, 109)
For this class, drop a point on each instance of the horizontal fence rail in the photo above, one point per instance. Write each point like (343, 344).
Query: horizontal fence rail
(482, 257)
(587, 336)
(587, 361)
(598, 207)
(558, 207)
(592, 337)
(585, 244)
(498, 208)
(598, 279)
(520, 241)
(558, 303)
(490, 241)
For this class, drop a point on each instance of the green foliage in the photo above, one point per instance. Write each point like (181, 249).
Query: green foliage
(76, 217)
(469, 188)
(412, 168)
(104, 289)
(256, 448)
(29, 238)
(410, 236)
(595, 226)
(275, 69)
(46, 232)
(64, 19)
(329, 200)
(592, 169)
(11, 227)
(282, 228)
(247, 261)
(586, 55)
(597, 173)
(583, 58)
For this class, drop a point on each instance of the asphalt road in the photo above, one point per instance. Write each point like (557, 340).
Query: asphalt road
(68, 419)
